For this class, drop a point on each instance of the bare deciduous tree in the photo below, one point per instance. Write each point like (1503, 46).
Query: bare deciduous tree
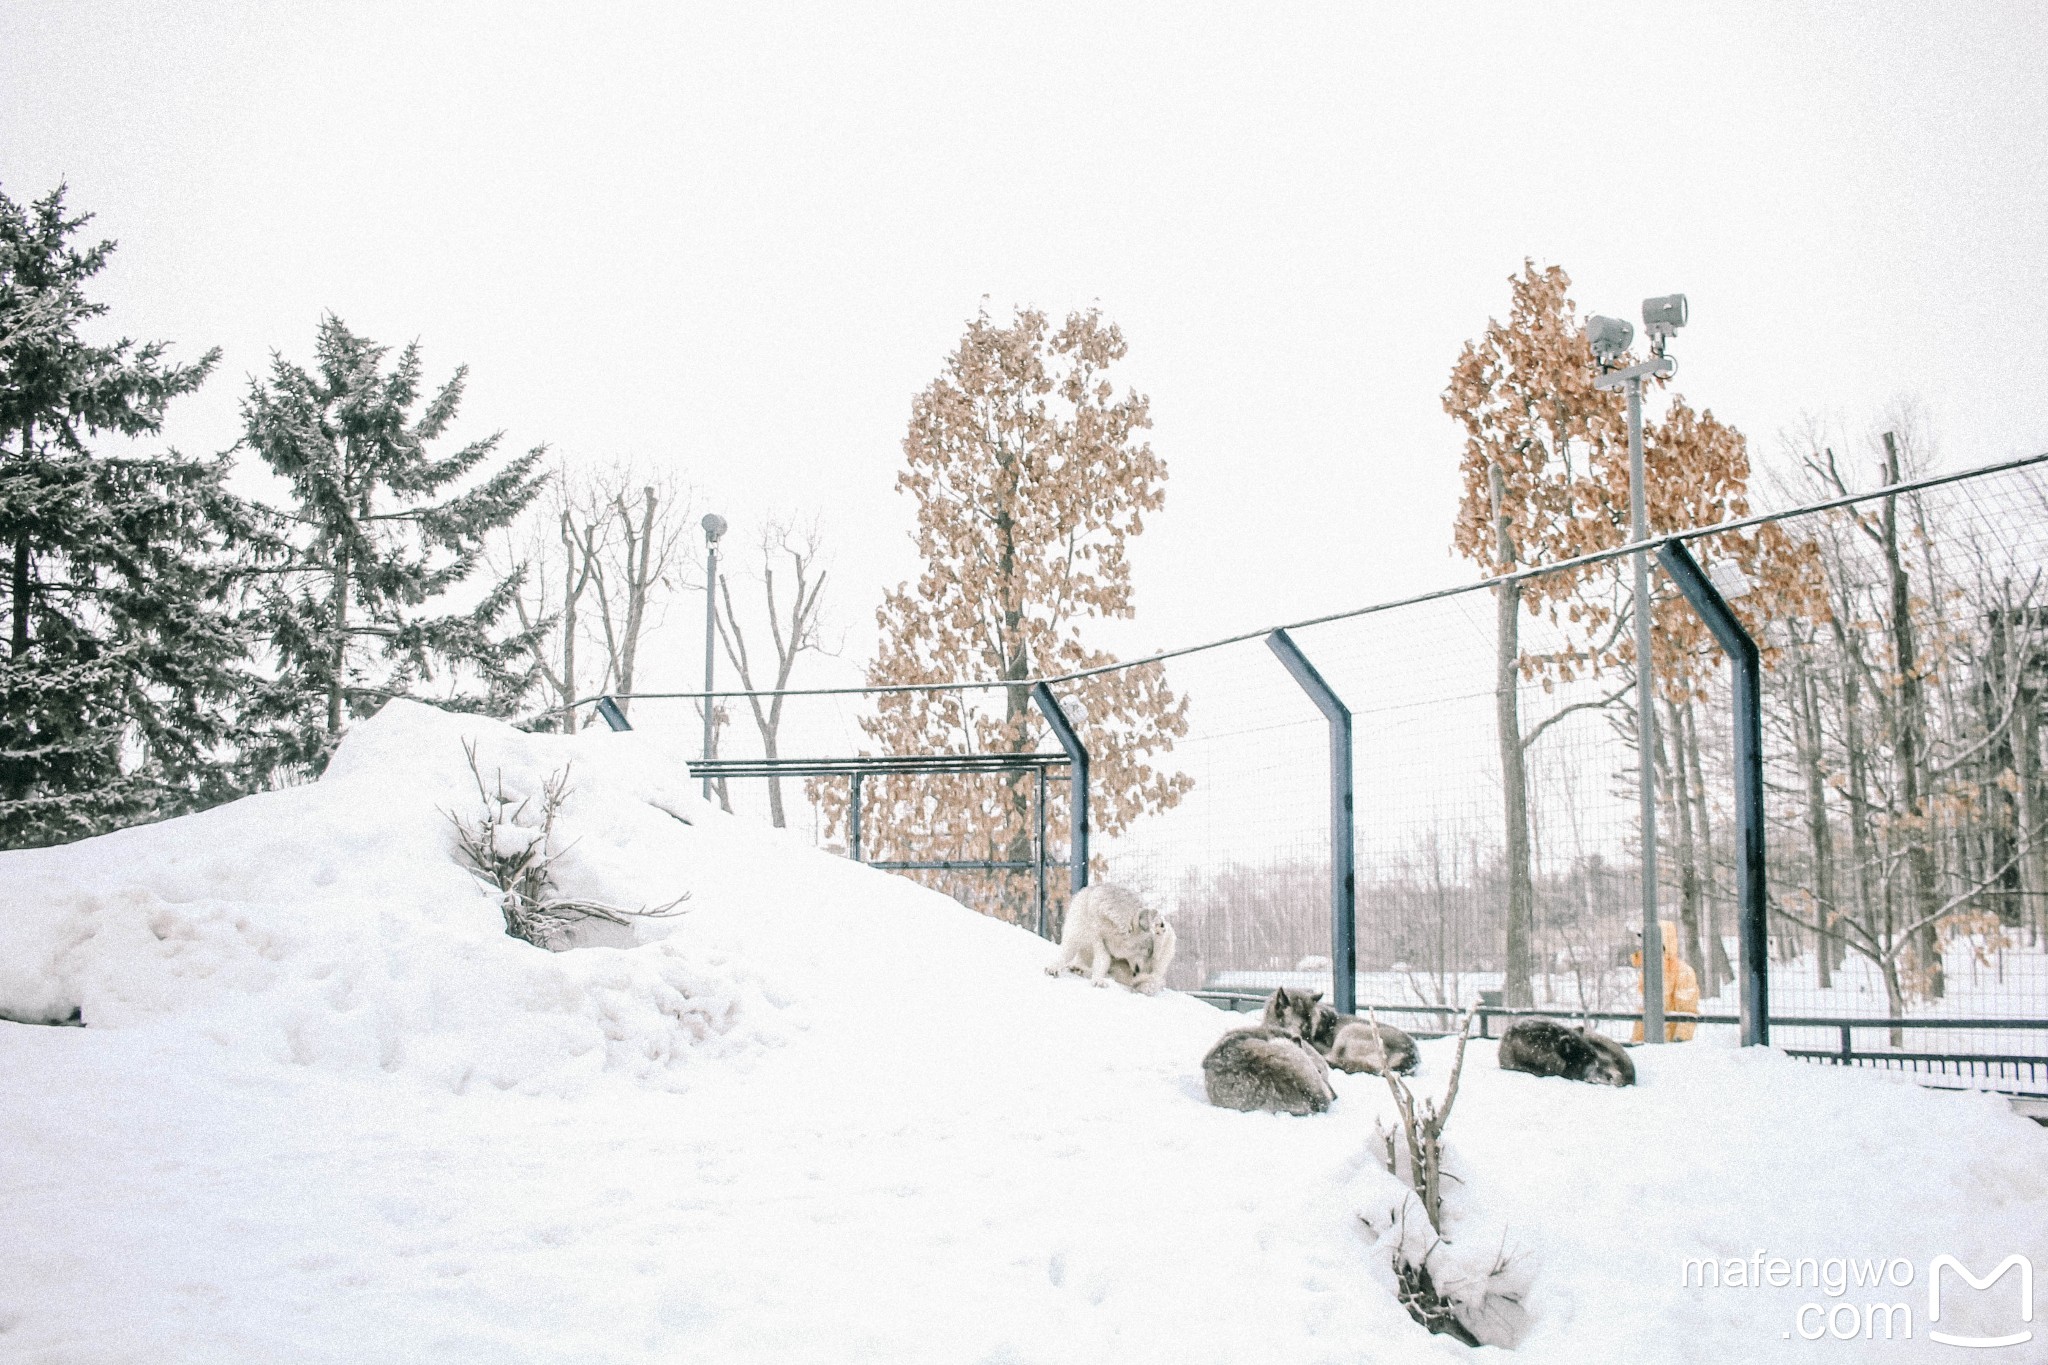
(642, 564)
(559, 553)
(793, 629)
(604, 551)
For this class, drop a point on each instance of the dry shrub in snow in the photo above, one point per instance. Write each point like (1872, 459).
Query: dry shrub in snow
(514, 854)
(1476, 1304)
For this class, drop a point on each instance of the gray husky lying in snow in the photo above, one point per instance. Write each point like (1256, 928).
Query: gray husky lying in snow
(1347, 1042)
(1113, 936)
(1274, 1066)
(1543, 1047)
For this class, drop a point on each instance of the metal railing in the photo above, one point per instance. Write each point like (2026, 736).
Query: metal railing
(1070, 766)
(2017, 1074)
(1042, 769)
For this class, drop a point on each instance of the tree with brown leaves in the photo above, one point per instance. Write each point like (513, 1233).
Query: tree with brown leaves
(1030, 479)
(1546, 479)
(1534, 428)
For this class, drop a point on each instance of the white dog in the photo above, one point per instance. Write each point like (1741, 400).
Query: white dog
(1111, 935)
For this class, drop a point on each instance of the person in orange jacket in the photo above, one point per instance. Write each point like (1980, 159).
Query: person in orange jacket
(1681, 987)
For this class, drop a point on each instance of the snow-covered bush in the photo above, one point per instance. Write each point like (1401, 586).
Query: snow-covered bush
(513, 853)
(1474, 1303)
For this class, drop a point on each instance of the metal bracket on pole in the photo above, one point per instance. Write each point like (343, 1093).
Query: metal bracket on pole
(1077, 756)
(1343, 878)
(1648, 369)
(608, 710)
(1749, 783)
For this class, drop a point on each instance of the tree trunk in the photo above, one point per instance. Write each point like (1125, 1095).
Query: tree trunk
(19, 643)
(1515, 987)
(1894, 995)
(1019, 893)
(1909, 740)
(2003, 823)
(2026, 751)
(768, 719)
(23, 555)
(771, 734)
(1862, 839)
(338, 650)
(1678, 787)
(1819, 834)
(775, 811)
(565, 686)
(638, 581)
(1703, 834)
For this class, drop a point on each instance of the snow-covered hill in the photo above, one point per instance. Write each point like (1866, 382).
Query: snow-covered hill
(323, 1109)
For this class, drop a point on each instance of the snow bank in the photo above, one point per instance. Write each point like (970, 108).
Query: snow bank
(335, 925)
(324, 1110)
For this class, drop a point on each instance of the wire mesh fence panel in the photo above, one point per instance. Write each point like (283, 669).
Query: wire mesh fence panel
(1241, 860)
(1248, 861)
(1438, 881)
(1907, 824)
(1496, 756)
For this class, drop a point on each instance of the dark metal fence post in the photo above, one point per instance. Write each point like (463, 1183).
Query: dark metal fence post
(1749, 784)
(1343, 879)
(853, 821)
(1077, 756)
(611, 714)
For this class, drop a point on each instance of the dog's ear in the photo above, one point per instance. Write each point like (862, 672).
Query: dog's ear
(1314, 996)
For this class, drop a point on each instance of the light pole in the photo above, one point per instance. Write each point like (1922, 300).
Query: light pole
(714, 527)
(1610, 338)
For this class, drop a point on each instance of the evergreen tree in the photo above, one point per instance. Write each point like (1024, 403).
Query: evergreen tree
(377, 545)
(123, 654)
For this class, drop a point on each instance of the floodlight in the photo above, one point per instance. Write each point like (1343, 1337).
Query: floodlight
(1608, 337)
(714, 526)
(1664, 315)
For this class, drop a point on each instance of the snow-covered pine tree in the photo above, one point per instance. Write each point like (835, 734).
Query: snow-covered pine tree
(123, 654)
(376, 545)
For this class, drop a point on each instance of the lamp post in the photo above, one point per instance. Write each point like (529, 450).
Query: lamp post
(714, 527)
(1610, 339)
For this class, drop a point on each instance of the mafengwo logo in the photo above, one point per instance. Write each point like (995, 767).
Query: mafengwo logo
(1941, 1263)
(1859, 1299)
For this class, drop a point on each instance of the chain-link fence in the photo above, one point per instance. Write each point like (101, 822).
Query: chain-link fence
(1905, 665)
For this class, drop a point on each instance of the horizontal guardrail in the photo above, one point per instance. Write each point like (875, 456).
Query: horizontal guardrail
(1997, 1071)
(883, 765)
(962, 865)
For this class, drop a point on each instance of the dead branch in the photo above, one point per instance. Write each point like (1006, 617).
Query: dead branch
(513, 858)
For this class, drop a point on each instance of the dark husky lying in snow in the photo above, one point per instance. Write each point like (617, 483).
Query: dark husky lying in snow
(1274, 1066)
(1347, 1041)
(1543, 1047)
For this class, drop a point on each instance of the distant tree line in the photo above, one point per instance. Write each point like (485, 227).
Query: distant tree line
(1908, 798)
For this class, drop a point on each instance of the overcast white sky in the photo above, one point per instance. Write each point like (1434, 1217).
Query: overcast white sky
(738, 240)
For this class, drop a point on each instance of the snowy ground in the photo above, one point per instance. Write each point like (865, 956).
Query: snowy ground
(323, 1110)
